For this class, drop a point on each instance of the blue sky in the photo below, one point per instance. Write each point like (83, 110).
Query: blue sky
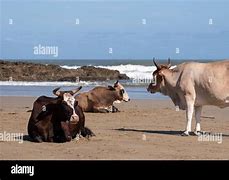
(118, 25)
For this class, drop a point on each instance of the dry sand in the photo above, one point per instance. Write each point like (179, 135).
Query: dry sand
(144, 129)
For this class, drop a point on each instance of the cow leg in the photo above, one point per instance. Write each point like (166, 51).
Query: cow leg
(50, 133)
(101, 110)
(112, 109)
(86, 132)
(189, 113)
(198, 110)
(37, 139)
(115, 109)
(77, 137)
(65, 128)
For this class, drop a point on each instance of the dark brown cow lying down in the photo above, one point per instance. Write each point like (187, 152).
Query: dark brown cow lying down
(101, 99)
(57, 119)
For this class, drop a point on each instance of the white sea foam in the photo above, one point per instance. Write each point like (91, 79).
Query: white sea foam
(70, 67)
(132, 71)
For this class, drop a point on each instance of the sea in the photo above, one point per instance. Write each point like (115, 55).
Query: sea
(139, 72)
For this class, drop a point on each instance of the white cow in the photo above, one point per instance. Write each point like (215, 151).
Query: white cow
(192, 85)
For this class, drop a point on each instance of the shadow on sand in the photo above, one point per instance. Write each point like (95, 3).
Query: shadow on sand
(24, 138)
(27, 138)
(151, 131)
(175, 133)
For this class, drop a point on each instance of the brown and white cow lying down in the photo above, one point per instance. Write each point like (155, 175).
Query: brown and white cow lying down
(192, 85)
(101, 99)
(57, 119)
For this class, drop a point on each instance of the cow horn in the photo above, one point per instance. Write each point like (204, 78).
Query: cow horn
(57, 92)
(155, 63)
(169, 63)
(75, 90)
(116, 83)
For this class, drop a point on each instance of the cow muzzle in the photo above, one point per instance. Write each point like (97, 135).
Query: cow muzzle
(126, 100)
(150, 88)
(74, 118)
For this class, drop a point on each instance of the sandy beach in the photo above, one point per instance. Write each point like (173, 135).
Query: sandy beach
(144, 129)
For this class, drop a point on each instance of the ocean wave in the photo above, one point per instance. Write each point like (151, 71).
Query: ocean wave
(70, 67)
(132, 71)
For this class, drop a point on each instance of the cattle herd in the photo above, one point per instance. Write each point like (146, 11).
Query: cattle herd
(190, 86)
(62, 119)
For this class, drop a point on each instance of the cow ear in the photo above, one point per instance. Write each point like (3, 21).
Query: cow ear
(111, 88)
(76, 103)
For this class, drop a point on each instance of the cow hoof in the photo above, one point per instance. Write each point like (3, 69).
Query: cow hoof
(114, 109)
(38, 139)
(185, 133)
(102, 111)
(77, 138)
(197, 133)
(68, 138)
(87, 133)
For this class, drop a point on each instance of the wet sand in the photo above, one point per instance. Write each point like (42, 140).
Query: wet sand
(144, 129)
